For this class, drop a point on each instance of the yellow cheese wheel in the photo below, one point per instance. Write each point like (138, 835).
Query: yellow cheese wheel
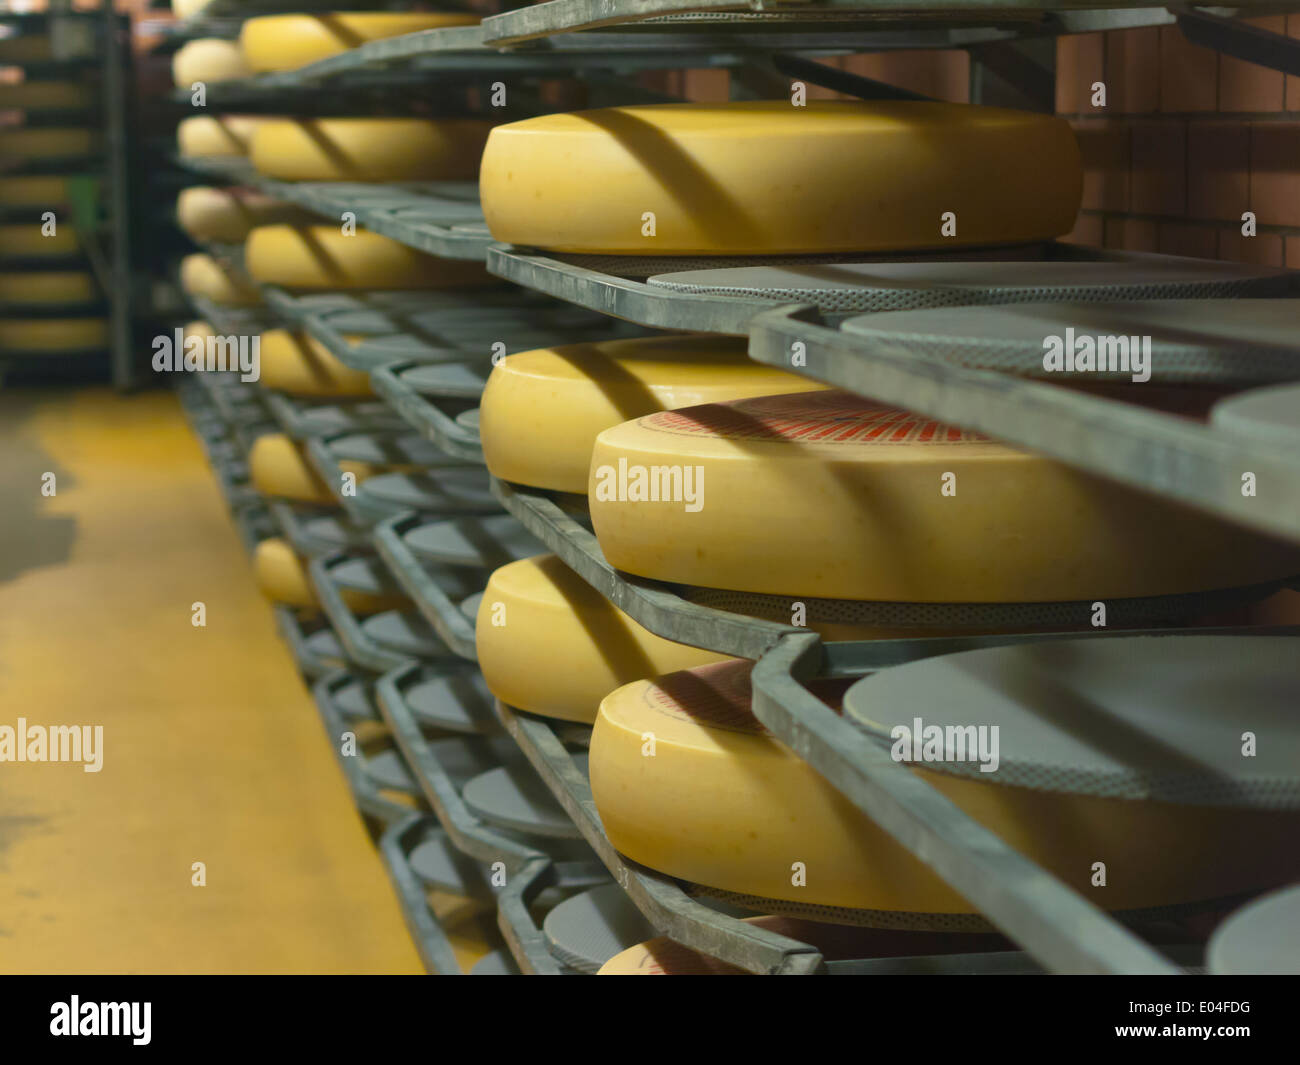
(287, 42)
(209, 60)
(48, 143)
(828, 494)
(766, 177)
(283, 578)
(204, 136)
(278, 467)
(302, 366)
(44, 96)
(722, 803)
(542, 410)
(202, 275)
(370, 149)
(323, 257)
(30, 240)
(183, 9)
(550, 644)
(48, 286)
(227, 216)
(52, 334)
(198, 328)
(39, 191)
(27, 48)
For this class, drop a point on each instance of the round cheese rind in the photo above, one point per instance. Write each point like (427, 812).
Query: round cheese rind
(549, 643)
(52, 334)
(323, 257)
(48, 286)
(220, 136)
(827, 494)
(44, 96)
(722, 803)
(369, 149)
(542, 410)
(227, 216)
(35, 191)
(302, 366)
(209, 60)
(768, 178)
(283, 578)
(202, 275)
(30, 241)
(278, 467)
(53, 142)
(287, 42)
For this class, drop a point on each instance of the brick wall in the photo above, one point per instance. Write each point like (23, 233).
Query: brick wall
(1187, 142)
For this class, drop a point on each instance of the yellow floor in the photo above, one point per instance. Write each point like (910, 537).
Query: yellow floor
(213, 751)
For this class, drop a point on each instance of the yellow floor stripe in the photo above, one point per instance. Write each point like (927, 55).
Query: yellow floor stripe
(212, 748)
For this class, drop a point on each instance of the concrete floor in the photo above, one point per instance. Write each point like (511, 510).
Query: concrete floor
(212, 750)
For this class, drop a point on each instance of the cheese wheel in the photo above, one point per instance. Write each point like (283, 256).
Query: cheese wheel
(26, 48)
(828, 494)
(287, 42)
(44, 96)
(722, 803)
(202, 275)
(370, 149)
(209, 60)
(278, 467)
(542, 410)
(48, 286)
(47, 143)
(183, 9)
(322, 257)
(198, 328)
(227, 216)
(302, 366)
(767, 178)
(39, 191)
(283, 578)
(207, 136)
(52, 334)
(550, 644)
(29, 241)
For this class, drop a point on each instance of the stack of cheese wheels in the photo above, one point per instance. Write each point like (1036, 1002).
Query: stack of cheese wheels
(827, 494)
(227, 216)
(767, 178)
(52, 335)
(282, 576)
(47, 143)
(369, 149)
(278, 468)
(207, 61)
(48, 286)
(302, 366)
(542, 410)
(202, 275)
(217, 136)
(35, 191)
(688, 782)
(550, 644)
(44, 96)
(34, 240)
(287, 42)
(324, 257)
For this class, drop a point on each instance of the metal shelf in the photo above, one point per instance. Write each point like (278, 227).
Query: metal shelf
(1174, 457)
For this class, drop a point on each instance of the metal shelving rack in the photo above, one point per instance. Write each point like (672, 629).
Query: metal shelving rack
(1057, 929)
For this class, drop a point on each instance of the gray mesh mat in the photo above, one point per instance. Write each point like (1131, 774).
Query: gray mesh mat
(871, 287)
(457, 380)
(448, 490)
(1245, 340)
(456, 702)
(1131, 717)
(364, 575)
(480, 542)
(588, 929)
(1267, 415)
(388, 770)
(352, 700)
(403, 449)
(514, 796)
(1261, 939)
(975, 615)
(406, 633)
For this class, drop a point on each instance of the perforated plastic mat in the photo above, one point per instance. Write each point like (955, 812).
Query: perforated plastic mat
(480, 542)
(585, 931)
(1268, 415)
